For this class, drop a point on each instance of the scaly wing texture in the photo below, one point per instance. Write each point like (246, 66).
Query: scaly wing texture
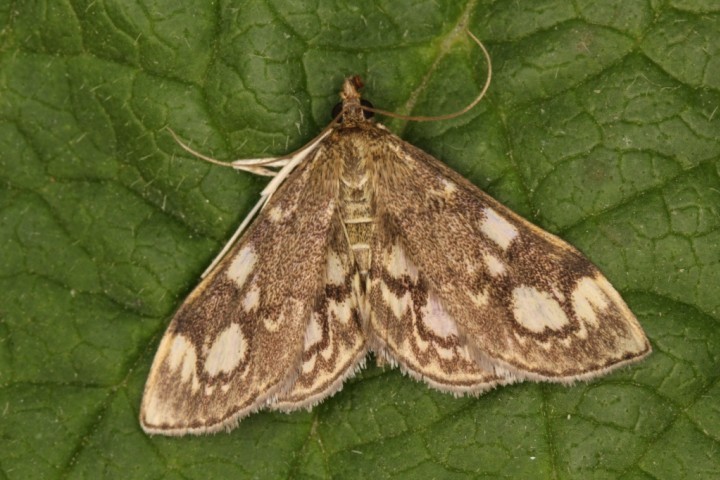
(335, 345)
(411, 327)
(527, 303)
(237, 340)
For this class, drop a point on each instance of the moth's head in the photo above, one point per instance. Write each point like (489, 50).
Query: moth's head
(350, 111)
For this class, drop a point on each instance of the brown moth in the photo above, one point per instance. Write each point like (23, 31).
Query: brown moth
(366, 243)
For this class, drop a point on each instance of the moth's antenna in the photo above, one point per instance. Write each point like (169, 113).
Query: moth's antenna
(448, 116)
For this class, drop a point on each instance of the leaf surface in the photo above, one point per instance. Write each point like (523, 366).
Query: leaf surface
(601, 125)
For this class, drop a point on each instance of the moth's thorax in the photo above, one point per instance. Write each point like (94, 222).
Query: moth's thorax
(356, 149)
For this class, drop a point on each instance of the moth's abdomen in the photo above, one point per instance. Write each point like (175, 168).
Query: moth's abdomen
(356, 208)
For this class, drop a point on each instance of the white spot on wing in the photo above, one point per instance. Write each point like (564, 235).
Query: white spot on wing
(446, 353)
(182, 355)
(536, 310)
(497, 229)
(436, 318)
(309, 364)
(275, 214)
(227, 351)
(450, 187)
(252, 299)
(273, 324)
(179, 348)
(241, 266)
(587, 298)
(494, 265)
(314, 331)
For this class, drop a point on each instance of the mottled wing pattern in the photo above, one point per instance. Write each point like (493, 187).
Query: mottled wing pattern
(411, 327)
(526, 303)
(237, 341)
(334, 344)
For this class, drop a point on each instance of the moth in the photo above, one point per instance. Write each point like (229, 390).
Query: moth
(364, 243)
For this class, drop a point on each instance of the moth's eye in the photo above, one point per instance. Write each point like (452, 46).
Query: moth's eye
(365, 103)
(336, 110)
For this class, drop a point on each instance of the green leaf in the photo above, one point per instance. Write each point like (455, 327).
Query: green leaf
(601, 125)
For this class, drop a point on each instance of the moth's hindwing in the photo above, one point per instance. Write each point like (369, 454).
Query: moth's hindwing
(524, 302)
(334, 343)
(412, 327)
(237, 341)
